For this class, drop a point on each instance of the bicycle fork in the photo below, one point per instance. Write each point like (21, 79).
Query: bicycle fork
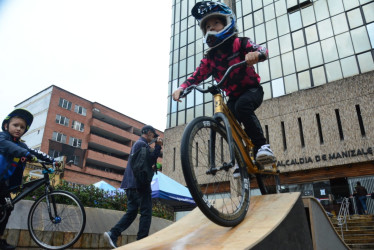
(51, 200)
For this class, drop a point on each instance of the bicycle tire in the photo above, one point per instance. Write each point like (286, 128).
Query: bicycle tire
(268, 183)
(221, 197)
(67, 225)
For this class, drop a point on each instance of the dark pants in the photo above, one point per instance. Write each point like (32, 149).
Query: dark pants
(136, 200)
(4, 186)
(243, 108)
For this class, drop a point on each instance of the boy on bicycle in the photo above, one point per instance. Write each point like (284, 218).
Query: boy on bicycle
(218, 24)
(13, 156)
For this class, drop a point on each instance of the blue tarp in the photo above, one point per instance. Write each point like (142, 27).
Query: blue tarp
(104, 186)
(171, 193)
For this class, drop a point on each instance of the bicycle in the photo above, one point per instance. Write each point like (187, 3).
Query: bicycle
(52, 214)
(211, 148)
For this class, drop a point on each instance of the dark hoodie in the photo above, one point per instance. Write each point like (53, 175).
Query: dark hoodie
(11, 152)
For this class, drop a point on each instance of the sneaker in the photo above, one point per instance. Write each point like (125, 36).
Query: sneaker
(265, 156)
(236, 173)
(5, 246)
(110, 239)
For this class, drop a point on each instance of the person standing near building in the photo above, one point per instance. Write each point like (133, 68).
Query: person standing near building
(361, 193)
(137, 198)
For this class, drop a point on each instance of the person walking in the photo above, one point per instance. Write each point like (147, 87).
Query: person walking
(137, 197)
(361, 193)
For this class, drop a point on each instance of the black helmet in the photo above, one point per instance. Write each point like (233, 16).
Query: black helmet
(22, 113)
(147, 128)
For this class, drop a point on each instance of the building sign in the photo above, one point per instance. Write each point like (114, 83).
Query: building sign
(326, 157)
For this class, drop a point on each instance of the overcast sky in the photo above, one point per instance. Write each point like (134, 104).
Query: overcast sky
(114, 52)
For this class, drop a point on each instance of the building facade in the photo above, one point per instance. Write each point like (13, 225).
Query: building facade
(96, 139)
(317, 112)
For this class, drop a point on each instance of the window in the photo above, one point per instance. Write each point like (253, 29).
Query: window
(360, 121)
(59, 137)
(78, 126)
(64, 104)
(54, 153)
(76, 160)
(80, 110)
(284, 137)
(75, 142)
(340, 128)
(62, 120)
(319, 129)
(301, 132)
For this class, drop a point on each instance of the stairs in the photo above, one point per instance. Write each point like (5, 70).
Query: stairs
(360, 233)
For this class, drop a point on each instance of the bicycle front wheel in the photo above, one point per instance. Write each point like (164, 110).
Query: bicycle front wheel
(222, 196)
(56, 220)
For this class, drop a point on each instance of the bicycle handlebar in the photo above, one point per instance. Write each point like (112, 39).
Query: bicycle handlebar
(228, 71)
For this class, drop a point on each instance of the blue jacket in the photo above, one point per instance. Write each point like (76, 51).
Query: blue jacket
(128, 180)
(11, 152)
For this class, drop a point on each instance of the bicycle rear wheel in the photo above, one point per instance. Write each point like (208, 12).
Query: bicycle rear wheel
(268, 183)
(56, 220)
(221, 197)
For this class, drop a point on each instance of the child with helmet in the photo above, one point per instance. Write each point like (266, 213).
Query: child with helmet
(13, 156)
(218, 24)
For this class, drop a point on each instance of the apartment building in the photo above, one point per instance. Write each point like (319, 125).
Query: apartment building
(94, 137)
(317, 112)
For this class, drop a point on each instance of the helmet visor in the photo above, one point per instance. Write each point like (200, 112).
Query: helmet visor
(204, 8)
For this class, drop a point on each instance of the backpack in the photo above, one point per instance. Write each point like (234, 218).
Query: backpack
(141, 166)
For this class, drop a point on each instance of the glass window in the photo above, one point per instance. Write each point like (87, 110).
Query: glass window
(311, 34)
(190, 100)
(308, 15)
(256, 5)
(269, 12)
(56, 136)
(182, 67)
(285, 43)
(190, 115)
(191, 34)
(278, 87)
(304, 80)
(182, 53)
(295, 20)
(329, 50)
(288, 63)
(298, 39)
(283, 27)
(64, 104)
(349, 66)
(208, 108)
(267, 90)
(275, 67)
(291, 3)
(173, 120)
(339, 23)
(247, 7)
(62, 120)
(344, 44)
(335, 7)
(318, 76)
(366, 62)
(370, 28)
(199, 97)
(78, 126)
(349, 4)
(290, 83)
(315, 54)
(249, 33)
(321, 10)
(260, 34)
(181, 118)
(271, 29)
(333, 71)
(190, 65)
(263, 71)
(273, 47)
(360, 40)
(301, 59)
(80, 110)
(364, 1)
(75, 142)
(355, 18)
(325, 29)
(280, 7)
(266, 2)
(199, 110)
(259, 17)
(248, 22)
(368, 12)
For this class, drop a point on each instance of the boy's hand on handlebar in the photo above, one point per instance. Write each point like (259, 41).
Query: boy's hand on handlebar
(31, 158)
(252, 58)
(176, 95)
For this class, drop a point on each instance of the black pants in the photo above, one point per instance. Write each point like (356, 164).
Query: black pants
(243, 108)
(4, 186)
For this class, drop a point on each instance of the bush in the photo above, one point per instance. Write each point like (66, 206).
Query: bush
(91, 196)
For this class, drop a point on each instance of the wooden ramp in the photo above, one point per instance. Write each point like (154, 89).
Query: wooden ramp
(276, 221)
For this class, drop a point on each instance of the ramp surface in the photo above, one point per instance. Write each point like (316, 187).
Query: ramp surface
(276, 221)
